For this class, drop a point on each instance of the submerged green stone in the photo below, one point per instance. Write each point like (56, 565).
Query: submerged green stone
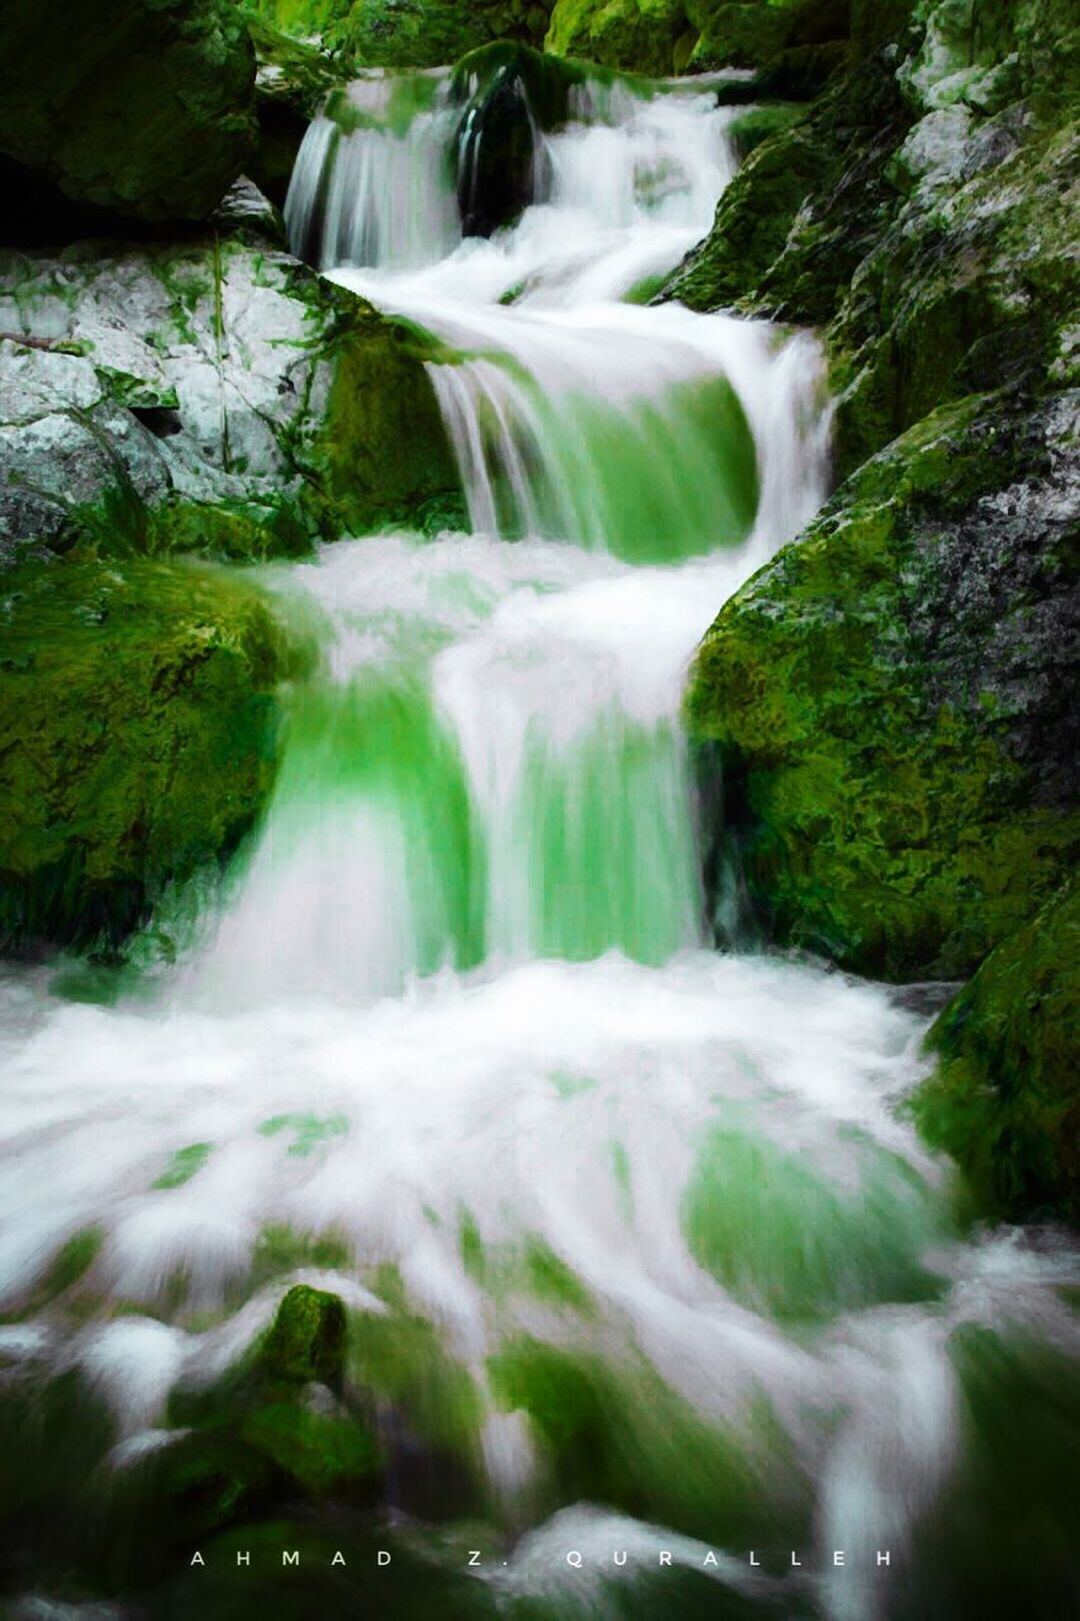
(804, 1235)
(185, 1164)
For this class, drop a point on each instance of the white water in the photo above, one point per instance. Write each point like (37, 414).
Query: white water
(460, 984)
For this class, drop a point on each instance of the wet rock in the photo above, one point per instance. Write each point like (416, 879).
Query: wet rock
(148, 113)
(891, 703)
(293, 79)
(276, 1425)
(307, 1339)
(638, 37)
(138, 726)
(211, 392)
(434, 33)
(510, 94)
(797, 43)
(1004, 1100)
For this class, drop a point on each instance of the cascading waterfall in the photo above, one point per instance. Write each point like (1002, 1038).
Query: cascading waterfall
(653, 1259)
(372, 183)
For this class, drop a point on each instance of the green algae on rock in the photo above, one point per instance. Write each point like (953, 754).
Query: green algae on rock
(405, 33)
(138, 721)
(510, 93)
(293, 78)
(919, 213)
(1004, 1100)
(307, 1339)
(147, 112)
(889, 702)
(434, 33)
(798, 43)
(641, 36)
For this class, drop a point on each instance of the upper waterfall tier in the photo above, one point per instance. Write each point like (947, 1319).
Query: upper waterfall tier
(576, 411)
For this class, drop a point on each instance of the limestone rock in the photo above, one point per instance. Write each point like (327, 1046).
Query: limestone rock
(215, 376)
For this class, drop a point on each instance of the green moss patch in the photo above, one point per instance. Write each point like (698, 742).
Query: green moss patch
(1005, 1097)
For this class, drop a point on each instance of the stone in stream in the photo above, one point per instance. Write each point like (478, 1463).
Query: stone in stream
(512, 94)
(279, 1414)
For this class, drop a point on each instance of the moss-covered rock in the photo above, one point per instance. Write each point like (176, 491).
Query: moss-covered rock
(293, 78)
(307, 1339)
(147, 113)
(919, 213)
(138, 724)
(1004, 1100)
(277, 1420)
(889, 703)
(211, 394)
(792, 40)
(434, 33)
(641, 36)
(805, 209)
(509, 93)
(405, 33)
(744, 35)
(300, 19)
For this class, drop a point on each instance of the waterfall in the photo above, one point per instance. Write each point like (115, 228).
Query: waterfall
(635, 1242)
(373, 184)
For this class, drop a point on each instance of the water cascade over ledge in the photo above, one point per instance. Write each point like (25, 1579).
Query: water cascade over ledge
(638, 1248)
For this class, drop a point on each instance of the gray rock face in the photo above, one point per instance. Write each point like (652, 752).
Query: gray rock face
(63, 444)
(198, 372)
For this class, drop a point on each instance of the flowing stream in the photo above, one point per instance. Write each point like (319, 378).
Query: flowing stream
(641, 1251)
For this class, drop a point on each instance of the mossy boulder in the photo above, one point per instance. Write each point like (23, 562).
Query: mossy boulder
(888, 703)
(277, 1421)
(640, 36)
(918, 213)
(307, 1338)
(806, 208)
(147, 112)
(300, 19)
(743, 36)
(211, 394)
(793, 40)
(1004, 1100)
(435, 33)
(292, 81)
(888, 706)
(138, 727)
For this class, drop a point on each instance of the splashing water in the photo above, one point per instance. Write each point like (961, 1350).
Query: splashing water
(639, 1252)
